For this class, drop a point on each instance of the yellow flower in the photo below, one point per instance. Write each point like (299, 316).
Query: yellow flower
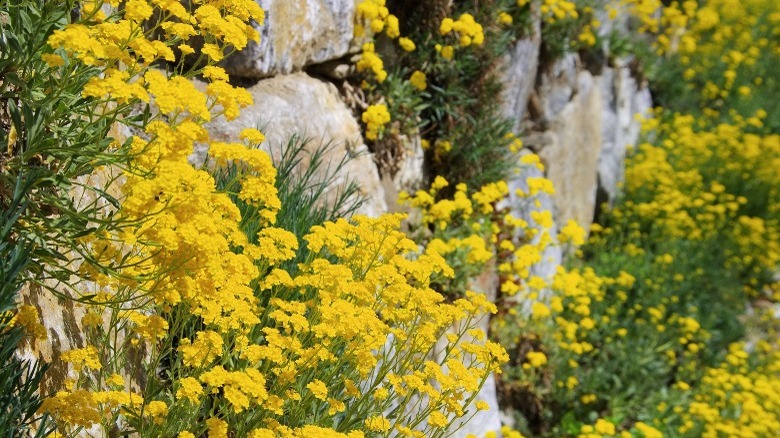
(536, 358)
(318, 389)
(215, 73)
(539, 310)
(212, 51)
(252, 136)
(83, 358)
(447, 52)
(185, 50)
(157, 410)
(206, 348)
(27, 317)
(437, 419)
(217, 428)
(115, 380)
(52, 59)
(604, 427)
(406, 44)
(418, 80)
(375, 117)
(190, 389)
(138, 10)
(377, 424)
(391, 27)
(370, 61)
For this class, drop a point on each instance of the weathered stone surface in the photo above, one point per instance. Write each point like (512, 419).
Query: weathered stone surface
(519, 74)
(409, 173)
(60, 314)
(62, 319)
(299, 105)
(623, 98)
(296, 33)
(557, 84)
(570, 149)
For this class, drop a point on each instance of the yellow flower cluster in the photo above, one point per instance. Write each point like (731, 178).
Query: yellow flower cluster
(378, 17)
(27, 317)
(418, 80)
(189, 254)
(734, 401)
(82, 408)
(465, 29)
(466, 32)
(724, 41)
(600, 429)
(686, 204)
(375, 117)
(470, 232)
(124, 40)
(370, 61)
(263, 338)
(555, 10)
(372, 18)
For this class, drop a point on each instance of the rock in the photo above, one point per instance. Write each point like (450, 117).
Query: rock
(59, 313)
(299, 105)
(557, 84)
(408, 175)
(623, 98)
(62, 319)
(573, 144)
(296, 33)
(519, 77)
(613, 151)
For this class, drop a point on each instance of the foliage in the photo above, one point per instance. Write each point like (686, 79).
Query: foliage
(308, 187)
(20, 379)
(45, 199)
(727, 59)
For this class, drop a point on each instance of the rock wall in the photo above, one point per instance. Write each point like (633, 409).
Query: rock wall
(580, 124)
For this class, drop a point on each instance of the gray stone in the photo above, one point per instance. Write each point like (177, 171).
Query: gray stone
(520, 66)
(299, 105)
(408, 175)
(572, 149)
(557, 85)
(623, 98)
(296, 33)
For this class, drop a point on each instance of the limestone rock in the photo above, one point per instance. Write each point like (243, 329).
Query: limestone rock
(520, 67)
(623, 98)
(557, 84)
(300, 105)
(60, 314)
(572, 146)
(409, 173)
(296, 33)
